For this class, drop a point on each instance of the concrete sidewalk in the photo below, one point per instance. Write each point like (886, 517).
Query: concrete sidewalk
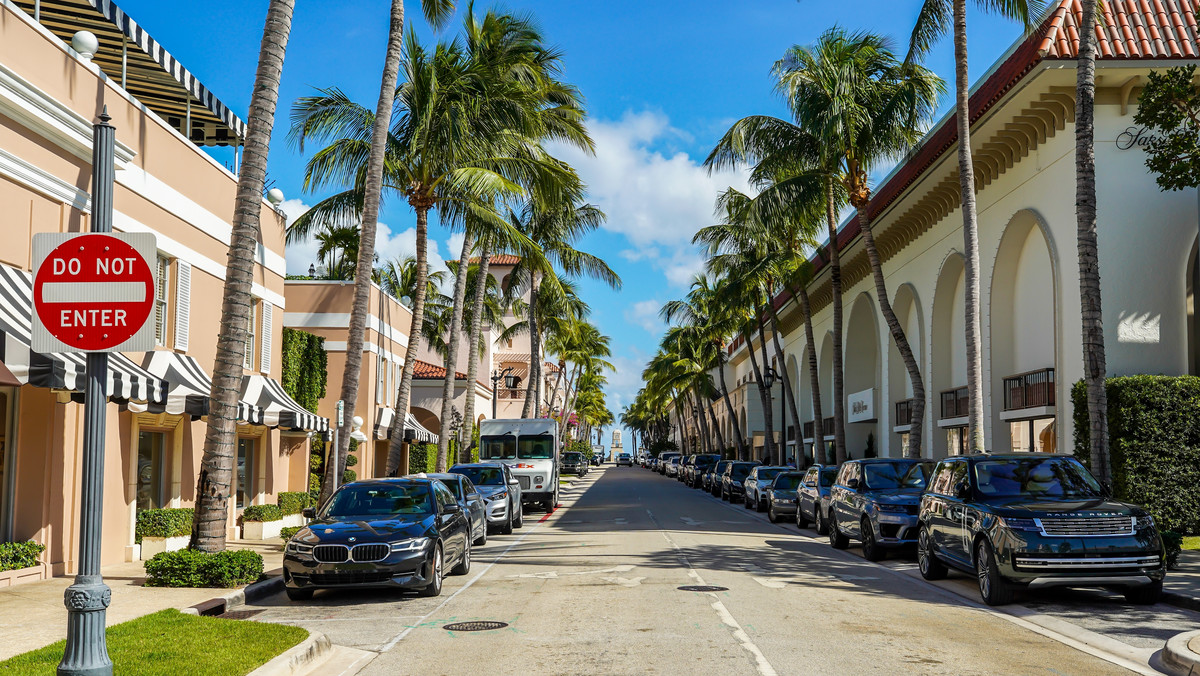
(33, 615)
(1182, 586)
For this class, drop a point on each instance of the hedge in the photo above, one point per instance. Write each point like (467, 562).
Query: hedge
(293, 503)
(262, 513)
(422, 458)
(18, 555)
(580, 446)
(1154, 443)
(194, 568)
(289, 532)
(163, 523)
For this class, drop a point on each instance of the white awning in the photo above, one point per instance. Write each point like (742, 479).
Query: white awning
(274, 408)
(189, 386)
(386, 417)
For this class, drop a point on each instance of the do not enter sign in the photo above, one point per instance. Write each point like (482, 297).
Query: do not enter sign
(93, 292)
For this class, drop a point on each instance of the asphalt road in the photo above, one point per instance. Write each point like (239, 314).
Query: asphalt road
(594, 589)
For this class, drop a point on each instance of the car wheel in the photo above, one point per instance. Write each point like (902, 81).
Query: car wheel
(819, 524)
(836, 539)
(464, 566)
(871, 549)
(801, 519)
(1145, 596)
(482, 539)
(520, 522)
(306, 594)
(434, 588)
(507, 528)
(771, 514)
(746, 500)
(759, 505)
(995, 590)
(931, 567)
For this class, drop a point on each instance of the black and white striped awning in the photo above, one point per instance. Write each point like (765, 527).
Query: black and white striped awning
(189, 387)
(387, 416)
(276, 409)
(126, 380)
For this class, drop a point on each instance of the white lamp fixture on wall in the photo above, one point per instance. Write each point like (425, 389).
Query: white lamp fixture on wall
(86, 44)
(356, 429)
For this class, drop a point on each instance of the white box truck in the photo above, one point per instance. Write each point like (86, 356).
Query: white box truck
(530, 447)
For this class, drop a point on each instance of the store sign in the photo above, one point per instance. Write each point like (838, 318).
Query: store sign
(93, 292)
(1134, 136)
(861, 406)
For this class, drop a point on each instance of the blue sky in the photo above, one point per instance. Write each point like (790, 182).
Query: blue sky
(663, 79)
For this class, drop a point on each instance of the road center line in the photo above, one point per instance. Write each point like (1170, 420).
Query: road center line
(760, 661)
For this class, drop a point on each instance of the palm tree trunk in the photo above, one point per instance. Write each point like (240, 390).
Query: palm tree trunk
(788, 393)
(898, 335)
(768, 405)
(716, 425)
(467, 443)
(534, 354)
(966, 181)
(404, 394)
(360, 308)
(737, 426)
(762, 390)
(1094, 360)
(455, 339)
(835, 281)
(215, 479)
(815, 379)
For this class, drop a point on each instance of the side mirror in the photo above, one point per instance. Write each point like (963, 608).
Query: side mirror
(810, 484)
(309, 512)
(852, 484)
(962, 490)
(1106, 489)
(453, 508)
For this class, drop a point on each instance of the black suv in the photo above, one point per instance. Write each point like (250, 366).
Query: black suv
(875, 501)
(700, 466)
(731, 481)
(1034, 520)
(711, 481)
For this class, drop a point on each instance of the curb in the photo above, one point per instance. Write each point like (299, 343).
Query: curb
(1178, 657)
(238, 597)
(298, 658)
(1181, 601)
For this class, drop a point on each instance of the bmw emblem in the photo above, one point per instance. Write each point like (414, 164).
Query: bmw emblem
(353, 539)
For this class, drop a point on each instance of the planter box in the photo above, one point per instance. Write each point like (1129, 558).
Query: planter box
(293, 520)
(11, 578)
(261, 530)
(152, 546)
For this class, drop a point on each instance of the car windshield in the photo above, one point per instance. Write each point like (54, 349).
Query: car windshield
(741, 471)
(1035, 477)
(376, 500)
(573, 456)
(482, 476)
(917, 476)
(675, 460)
(884, 475)
(498, 448)
(535, 446)
(787, 482)
(828, 476)
(768, 474)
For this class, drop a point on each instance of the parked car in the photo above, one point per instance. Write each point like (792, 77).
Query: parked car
(699, 468)
(664, 459)
(1035, 520)
(671, 466)
(712, 479)
(399, 533)
(501, 492)
(813, 496)
(573, 462)
(474, 506)
(754, 488)
(624, 459)
(735, 474)
(685, 467)
(875, 501)
(782, 495)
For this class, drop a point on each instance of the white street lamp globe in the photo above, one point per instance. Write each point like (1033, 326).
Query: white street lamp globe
(85, 43)
(357, 421)
(275, 196)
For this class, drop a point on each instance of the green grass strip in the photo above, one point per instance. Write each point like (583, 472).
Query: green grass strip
(1191, 542)
(170, 642)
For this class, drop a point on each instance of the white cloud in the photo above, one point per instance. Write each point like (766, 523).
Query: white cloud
(644, 313)
(454, 245)
(657, 199)
(624, 383)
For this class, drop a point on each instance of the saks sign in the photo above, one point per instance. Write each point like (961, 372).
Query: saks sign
(860, 406)
(1134, 136)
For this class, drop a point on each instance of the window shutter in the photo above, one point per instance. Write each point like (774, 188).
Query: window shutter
(264, 357)
(380, 378)
(183, 303)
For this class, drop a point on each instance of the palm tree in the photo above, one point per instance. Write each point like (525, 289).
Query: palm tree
(215, 479)
(856, 97)
(399, 278)
(1094, 361)
(338, 250)
(487, 302)
(933, 21)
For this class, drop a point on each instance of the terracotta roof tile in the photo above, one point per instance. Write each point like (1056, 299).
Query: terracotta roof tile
(423, 370)
(500, 259)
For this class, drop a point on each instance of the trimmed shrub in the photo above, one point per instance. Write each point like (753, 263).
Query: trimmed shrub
(1154, 441)
(422, 458)
(289, 532)
(580, 446)
(194, 568)
(163, 523)
(351, 460)
(18, 555)
(1172, 545)
(293, 503)
(262, 513)
(348, 476)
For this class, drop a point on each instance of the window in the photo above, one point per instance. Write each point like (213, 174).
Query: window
(7, 439)
(251, 325)
(536, 446)
(956, 440)
(151, 470)
(498, 448)
(904, 441)
(245, 473)
(162, 271)
(1038, 436)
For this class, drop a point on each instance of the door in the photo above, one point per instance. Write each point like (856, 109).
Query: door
(8, 441)
(955, 536)
(841, 496)
(805, 495)
(151, 470)
(451, 519)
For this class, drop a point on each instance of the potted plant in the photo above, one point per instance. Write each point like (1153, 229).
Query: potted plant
(19, 563)
(261, 522)
(162, 530)
(291, 505)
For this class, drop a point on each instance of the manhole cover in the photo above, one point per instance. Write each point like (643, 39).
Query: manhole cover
(702, 588)
(475, 626)
(239, 614)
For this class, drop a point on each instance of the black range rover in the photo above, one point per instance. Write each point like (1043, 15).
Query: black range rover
(1034, 520)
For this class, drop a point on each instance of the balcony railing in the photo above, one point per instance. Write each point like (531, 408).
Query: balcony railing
(1029, 390)
(904, 412)
(955, 403)
(506, 393)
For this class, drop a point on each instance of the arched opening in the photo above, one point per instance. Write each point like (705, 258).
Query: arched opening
(907, 307)
(795, 436)
(825, 376)
(427, 419)
(862, 379)
(949, 350)
(1023, 318)
(1193, 345)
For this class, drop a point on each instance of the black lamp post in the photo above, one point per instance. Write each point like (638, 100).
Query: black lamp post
(770, 375)
(510, 381)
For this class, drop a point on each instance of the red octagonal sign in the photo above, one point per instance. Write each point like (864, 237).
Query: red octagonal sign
(93, 292)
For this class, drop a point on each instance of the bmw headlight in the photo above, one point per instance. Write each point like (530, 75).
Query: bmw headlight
(1013, 523)
(413, 545)
(1144, 521)
(886, 507)
(299, 548)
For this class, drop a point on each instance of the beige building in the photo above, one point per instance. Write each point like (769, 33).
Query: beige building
(511, 361)
(166, 185)
(1023, 141)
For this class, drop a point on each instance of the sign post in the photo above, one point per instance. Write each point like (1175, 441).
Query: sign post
(92, 293)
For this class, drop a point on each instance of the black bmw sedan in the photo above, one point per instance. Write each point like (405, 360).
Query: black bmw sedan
(392, 533)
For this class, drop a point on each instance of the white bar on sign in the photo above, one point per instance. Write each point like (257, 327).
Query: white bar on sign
(94, 292)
